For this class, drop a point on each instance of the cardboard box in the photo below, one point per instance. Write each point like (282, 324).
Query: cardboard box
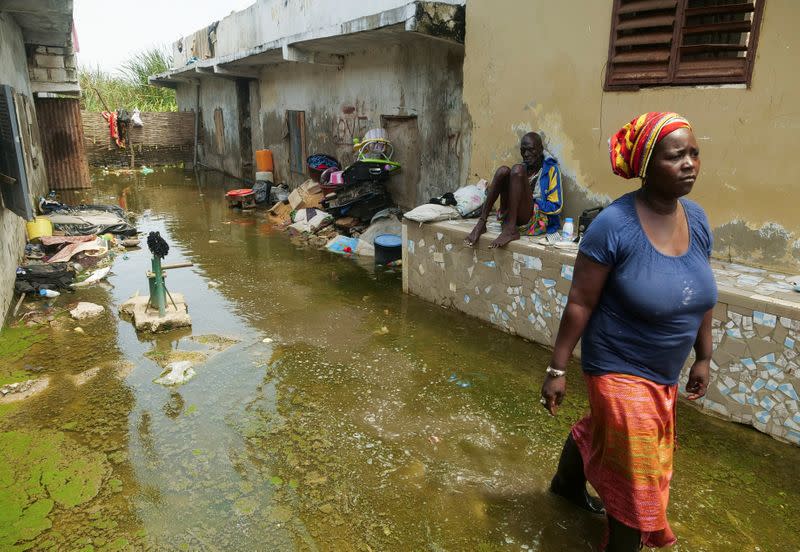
(280, 213)
(307, 195)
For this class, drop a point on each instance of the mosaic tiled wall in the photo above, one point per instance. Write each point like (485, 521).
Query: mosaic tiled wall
(755, 374)
(523, 289)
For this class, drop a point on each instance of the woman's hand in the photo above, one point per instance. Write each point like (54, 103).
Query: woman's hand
(698, 380)
(554, 389)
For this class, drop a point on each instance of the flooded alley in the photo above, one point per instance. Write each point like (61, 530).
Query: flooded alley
(328, 412)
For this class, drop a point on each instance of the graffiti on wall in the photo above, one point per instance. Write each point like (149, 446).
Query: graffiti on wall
(351, 123)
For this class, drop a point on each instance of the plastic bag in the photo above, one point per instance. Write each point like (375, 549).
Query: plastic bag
(469, 198)
(136, 118)
(432, 213)
(343, 245)
(310, 220)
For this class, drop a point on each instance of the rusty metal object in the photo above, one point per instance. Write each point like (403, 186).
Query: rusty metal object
(61, 130)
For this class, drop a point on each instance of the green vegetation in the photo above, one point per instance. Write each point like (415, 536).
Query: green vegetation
(42, 470)
(129, 89)
(14, 341)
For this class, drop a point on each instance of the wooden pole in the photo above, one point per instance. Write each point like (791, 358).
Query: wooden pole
(19, 304)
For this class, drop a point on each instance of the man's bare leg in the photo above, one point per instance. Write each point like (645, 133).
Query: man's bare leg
(519, 208)
(497, 189)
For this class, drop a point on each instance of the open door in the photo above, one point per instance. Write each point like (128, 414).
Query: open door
(403, 132)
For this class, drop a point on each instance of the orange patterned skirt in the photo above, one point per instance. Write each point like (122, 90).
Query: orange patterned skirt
(626, 443)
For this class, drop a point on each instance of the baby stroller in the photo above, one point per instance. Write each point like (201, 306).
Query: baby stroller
(359, 190)
(376, 149)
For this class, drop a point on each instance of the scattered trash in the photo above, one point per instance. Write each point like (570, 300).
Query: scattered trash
(33, 251)
(136, 118)
(30, 279)
(131, 242)
(49, 293)
(84, 220)
(86, 310)
(434, 440)
(342, 245)
(176, 373)
(310, 220)
(78, 330)
(383, 331)
(267, 340)
(38, 228)
(213, 241)
(458, 381)
(146, 170)
(308, 195)
(89, 245)
(93, 278)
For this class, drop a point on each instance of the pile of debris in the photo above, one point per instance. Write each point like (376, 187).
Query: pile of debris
(343, 210)
(71, 247)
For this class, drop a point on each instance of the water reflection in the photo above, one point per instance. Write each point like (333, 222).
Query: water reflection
(337, 435)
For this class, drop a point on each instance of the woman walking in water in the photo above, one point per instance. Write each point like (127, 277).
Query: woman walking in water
(642, 296)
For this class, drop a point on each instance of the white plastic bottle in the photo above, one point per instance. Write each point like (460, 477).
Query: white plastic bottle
(568, 230)
(48, 293)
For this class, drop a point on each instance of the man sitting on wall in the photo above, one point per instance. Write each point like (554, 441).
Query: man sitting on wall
(530, 196)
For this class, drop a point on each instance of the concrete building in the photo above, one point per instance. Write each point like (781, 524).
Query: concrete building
(579, 74)
(301, 77)
(36, 56)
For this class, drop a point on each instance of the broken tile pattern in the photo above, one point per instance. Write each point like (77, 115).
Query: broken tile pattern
(755, 375)
(523, 290)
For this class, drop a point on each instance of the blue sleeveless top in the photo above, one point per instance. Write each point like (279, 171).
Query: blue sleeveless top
(651, 307)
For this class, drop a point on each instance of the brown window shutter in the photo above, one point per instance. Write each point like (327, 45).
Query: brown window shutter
(641, 49)
(718, 39)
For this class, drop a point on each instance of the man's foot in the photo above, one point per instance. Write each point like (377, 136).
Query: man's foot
(477, 232)
(505, 237)
(579, 497)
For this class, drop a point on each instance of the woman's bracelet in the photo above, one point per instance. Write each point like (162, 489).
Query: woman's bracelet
(555, 373)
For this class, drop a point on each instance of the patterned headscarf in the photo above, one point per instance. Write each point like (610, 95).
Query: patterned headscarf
(632, 146)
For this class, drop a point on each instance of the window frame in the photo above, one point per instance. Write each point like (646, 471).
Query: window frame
(672, 79)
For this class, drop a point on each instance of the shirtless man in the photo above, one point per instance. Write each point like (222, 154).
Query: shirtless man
(531, 186)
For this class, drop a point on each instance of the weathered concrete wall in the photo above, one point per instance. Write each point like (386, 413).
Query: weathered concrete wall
(14, 71)
(219, 144)
(540, 65)
(53, 69)
(269, 20)
(522, 289)
(421, 78)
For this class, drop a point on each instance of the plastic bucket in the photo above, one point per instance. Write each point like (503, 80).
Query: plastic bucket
(264, 176)
(40, 227)
(388, 248)
(264, 160)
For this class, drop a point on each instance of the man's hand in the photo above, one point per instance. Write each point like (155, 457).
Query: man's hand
(554, 389)
(698, 379)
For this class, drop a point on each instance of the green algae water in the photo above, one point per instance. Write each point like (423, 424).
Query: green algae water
(307, 426)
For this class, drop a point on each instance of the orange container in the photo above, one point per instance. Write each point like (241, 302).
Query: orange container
(264, 160)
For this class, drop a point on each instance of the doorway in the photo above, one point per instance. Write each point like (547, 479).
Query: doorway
(403, 133)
